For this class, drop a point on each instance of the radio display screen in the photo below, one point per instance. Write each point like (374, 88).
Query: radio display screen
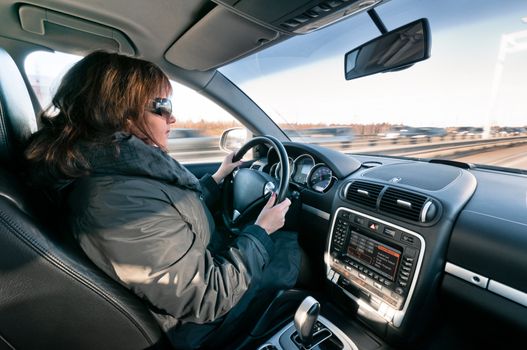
(374, 254)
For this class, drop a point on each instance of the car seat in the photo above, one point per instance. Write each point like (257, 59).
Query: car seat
(51, 295)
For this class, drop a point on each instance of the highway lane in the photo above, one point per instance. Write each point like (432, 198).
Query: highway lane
(509, 157)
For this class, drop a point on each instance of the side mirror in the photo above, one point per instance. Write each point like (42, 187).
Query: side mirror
(394, 50)
(233, 139)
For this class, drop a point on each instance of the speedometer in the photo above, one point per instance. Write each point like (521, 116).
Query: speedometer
(302, 167)
(320, 178)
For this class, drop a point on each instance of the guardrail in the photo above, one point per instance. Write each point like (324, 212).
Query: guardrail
(447, 148)
(413, 147)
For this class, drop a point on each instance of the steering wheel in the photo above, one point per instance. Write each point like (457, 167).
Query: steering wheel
(247, 190)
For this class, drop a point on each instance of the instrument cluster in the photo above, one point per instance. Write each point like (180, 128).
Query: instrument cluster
(305, 171)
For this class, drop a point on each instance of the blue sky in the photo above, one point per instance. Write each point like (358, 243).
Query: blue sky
(453, 88)
(302, 80)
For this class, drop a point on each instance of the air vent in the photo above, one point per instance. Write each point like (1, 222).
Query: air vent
(364, 193)
(405, 204)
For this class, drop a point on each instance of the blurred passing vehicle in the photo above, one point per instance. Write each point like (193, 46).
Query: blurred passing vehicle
(188, 140)
(415, 132)
(322, 136)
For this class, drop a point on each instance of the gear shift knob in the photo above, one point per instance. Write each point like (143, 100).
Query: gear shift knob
(305, 318)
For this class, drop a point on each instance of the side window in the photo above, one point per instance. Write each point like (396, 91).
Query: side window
(199, 124)
(45, 69)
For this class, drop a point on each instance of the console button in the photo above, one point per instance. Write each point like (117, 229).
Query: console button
(375, 302)
(407, 238)
(335, 278)
(373, 226)
(360, 221)
(347, 285)
(364, 295)
(411, 253)
(334, 3)
(389, 232)
(312, 14)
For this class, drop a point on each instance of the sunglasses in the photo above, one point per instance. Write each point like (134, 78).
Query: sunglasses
(161, 106)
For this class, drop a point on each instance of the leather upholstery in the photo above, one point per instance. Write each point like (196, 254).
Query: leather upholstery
(51, 295)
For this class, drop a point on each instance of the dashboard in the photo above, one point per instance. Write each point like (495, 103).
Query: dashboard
(398, 233)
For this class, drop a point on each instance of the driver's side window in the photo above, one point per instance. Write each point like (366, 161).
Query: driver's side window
(194, 137)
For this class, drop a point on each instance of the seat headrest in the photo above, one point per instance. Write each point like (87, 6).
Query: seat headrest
(17, 117)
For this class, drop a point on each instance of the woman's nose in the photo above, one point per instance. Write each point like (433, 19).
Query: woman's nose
(171, 119)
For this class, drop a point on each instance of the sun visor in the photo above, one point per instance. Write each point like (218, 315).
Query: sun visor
(63, 30)
(219, 37)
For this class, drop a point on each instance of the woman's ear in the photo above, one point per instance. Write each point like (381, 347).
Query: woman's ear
(128, 124)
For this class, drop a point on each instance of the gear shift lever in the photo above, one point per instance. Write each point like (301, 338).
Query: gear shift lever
(305, 318)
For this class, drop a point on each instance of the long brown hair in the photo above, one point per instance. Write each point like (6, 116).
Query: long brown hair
(101, 94)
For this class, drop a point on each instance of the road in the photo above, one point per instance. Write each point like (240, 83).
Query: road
(510, 157)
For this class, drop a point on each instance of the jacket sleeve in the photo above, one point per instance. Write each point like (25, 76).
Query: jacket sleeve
(211, 191)
(134, 233)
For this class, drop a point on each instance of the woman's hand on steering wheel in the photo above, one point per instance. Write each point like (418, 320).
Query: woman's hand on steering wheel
(272, 217)
(244, 194)
(226, 167)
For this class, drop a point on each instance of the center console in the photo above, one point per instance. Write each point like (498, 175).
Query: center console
(335, 339)
(375, 263)
(309, 331)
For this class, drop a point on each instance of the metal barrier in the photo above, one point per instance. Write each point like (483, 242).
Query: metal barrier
(423, 147)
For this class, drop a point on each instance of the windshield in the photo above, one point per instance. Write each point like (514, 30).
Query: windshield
(466, 102)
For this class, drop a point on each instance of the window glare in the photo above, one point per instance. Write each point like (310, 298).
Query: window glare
(45, 70)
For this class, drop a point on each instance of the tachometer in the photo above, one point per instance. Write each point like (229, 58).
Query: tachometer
(320, 178)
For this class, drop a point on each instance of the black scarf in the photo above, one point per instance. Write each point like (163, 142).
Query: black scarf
(133, 157)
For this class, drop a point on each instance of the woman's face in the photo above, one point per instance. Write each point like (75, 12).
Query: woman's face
(158, 117)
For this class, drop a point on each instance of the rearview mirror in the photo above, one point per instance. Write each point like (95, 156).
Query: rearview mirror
(394, 50)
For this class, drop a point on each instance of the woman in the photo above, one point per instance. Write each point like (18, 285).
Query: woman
(139, 214)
